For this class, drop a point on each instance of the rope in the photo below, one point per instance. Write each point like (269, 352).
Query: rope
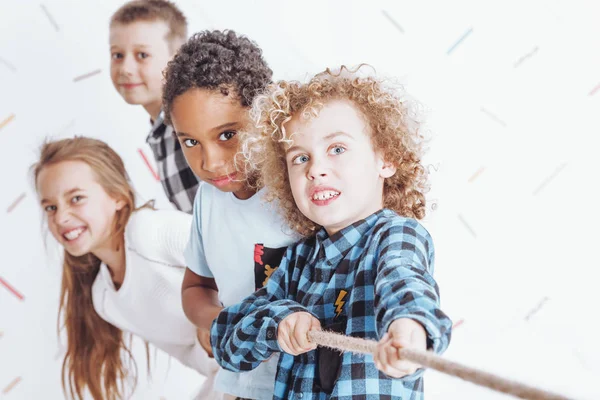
(430, 360)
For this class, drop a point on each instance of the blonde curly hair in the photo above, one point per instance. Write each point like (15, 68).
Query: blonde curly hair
(395, 133)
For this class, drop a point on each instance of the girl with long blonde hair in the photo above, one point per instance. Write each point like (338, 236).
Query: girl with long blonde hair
(122, 272)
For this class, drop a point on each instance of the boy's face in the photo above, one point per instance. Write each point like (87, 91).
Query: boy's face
(139, 52)
(335, 175)
(206, 123)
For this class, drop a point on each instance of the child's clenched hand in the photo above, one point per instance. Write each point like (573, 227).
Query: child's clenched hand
(403, 332)
(292, 333)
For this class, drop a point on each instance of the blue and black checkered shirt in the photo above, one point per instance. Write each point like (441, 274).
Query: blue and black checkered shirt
(357, 282)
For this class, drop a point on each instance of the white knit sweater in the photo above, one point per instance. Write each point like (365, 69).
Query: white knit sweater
(148, 303)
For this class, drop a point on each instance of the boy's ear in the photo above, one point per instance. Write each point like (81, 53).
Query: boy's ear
(174, 45)
(386, 169)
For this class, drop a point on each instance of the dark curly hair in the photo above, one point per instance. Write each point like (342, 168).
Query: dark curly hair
(216, 60)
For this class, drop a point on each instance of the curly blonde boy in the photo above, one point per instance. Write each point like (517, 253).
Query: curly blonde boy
(341, 155)
(395, 133)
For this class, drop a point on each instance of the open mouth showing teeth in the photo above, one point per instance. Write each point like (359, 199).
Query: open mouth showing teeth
(74, 234)
(325, 195)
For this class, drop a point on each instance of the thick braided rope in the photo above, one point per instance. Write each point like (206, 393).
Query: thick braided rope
(430, 360)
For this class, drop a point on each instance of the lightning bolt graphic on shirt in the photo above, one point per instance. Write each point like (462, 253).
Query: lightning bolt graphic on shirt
(339, 303)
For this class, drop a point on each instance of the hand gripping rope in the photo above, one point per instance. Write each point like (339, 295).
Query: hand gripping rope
(430, 360)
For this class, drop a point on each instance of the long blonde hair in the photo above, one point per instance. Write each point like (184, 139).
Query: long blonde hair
(93, 359)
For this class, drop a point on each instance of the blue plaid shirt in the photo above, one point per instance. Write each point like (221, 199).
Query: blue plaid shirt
(357, 282)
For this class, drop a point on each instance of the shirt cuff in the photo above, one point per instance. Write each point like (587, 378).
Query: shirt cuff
(279, 310)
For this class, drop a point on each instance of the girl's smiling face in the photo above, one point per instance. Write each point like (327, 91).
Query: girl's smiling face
(80, 213)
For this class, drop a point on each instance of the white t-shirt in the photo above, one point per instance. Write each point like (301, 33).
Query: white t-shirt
(148, 303)
(238, 243)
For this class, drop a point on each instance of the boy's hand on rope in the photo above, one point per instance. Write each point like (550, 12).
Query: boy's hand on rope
(403, 332)
(292, 333)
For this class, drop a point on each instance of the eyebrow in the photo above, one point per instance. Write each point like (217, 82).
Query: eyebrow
(143, 46)
(331, 136)
(224, 126)
(66, 194)
(216, 128)
(336, 134)
(293, 149)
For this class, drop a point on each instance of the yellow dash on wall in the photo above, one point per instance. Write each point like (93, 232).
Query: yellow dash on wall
(476, 174)
(7, 120)
(11, 385)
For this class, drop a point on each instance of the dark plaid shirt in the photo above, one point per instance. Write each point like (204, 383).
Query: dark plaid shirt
(358, 281)
(178, 180)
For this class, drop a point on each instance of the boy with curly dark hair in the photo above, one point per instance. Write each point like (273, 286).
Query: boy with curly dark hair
(341, 154)
(236, 241)
(144, 36)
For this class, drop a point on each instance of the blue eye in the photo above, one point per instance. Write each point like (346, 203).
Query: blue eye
(337, 150)
(190, 143)
(301, 159)
(225, 136)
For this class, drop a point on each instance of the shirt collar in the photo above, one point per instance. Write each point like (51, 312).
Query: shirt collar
(339, 244)
(158, 122)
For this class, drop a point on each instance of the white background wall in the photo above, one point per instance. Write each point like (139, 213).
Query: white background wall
(511, 90)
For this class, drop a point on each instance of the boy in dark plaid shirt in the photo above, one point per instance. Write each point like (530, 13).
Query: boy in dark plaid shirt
(178, 180)
(349, 160)
(144, 36)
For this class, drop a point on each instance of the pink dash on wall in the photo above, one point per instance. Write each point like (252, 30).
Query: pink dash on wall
(11, 289)
(15, 203)
(148, 164)
(458, 323)
(594, 90)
